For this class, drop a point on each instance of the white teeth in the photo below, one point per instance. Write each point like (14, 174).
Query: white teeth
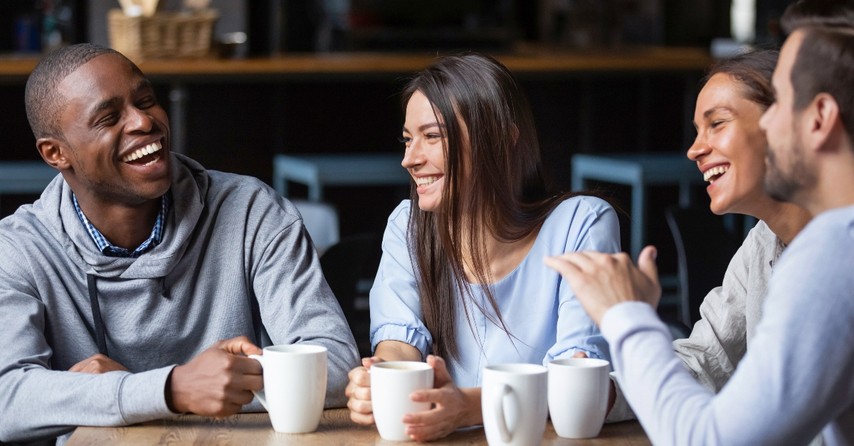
(713, 172)
(139, 153)
(425, 181)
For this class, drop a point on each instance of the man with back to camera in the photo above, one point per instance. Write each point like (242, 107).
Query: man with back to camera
(795, 380)
(136, 285)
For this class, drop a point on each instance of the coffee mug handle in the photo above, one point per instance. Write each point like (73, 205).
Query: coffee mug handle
(262, 397)
(498, 407)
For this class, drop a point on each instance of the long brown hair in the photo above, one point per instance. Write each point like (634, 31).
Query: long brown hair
(494, 185)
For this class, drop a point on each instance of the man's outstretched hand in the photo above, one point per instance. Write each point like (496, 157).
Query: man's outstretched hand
(601, 281)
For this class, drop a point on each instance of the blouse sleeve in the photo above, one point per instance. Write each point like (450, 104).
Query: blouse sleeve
(593, 227)
(718, 340)
(395, 305)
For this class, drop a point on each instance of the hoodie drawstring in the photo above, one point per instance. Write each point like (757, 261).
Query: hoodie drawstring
(100, 334)
(164, 291)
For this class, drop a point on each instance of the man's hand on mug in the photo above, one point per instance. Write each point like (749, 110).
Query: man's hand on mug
(217, 382)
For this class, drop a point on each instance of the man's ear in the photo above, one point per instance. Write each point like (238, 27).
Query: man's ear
(53, 152)
(823, 118)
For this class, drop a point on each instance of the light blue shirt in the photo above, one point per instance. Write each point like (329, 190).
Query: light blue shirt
(795, 380)
(537, 305)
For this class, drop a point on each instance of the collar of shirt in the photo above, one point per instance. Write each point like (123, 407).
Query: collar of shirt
(111, 250)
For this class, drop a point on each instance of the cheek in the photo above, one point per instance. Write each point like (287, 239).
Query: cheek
(161, 116)
(754, 148)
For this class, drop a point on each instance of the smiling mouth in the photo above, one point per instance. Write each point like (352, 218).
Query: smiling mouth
(145, 155)
(714, 173)
(425, 181)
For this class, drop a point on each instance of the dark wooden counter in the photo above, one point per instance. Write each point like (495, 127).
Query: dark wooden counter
(16, 68)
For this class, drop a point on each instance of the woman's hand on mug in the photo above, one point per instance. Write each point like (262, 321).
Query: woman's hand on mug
(452, 407)
(359, 392)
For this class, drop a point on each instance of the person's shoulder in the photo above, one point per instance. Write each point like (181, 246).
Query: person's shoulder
(21, 231)
(586, 204)
(235, 180)
(822, 248)
(833, 227)
(218, 180)
(400, 212)
(760, 235)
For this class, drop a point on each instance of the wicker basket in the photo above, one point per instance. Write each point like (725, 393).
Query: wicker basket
(163, 35)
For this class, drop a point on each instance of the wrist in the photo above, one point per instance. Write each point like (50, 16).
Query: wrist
(169, 392)
(472, 415)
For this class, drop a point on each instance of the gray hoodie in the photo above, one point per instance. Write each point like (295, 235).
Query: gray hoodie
(235, 259)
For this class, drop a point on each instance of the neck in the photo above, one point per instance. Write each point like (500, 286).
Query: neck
(785, 220)
(124, 226)
(834, 186)
(502, 257)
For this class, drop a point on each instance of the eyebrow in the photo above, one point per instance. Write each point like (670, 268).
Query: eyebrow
(424, 127)
(709, 112)
(712, 110)
(143, 84)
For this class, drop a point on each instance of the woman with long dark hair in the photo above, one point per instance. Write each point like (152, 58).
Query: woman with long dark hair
(462, 278)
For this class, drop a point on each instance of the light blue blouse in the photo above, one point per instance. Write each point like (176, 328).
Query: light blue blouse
(537, 305)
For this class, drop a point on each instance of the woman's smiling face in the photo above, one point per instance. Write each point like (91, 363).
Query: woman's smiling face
(730, 147)
(424, 137)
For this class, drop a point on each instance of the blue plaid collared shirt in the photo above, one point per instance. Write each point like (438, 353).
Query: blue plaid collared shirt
(111, 250)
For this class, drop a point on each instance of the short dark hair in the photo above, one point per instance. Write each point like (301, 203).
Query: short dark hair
(41, 94)
(825, 64)
(753, 70)
(828, 13)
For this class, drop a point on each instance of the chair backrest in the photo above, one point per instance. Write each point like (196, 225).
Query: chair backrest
(321, 222)
(704, 248)
(346, 265)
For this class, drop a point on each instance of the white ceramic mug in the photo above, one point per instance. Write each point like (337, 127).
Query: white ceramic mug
(513, 401)
(294, 386)
(578, 396)
(391, 384)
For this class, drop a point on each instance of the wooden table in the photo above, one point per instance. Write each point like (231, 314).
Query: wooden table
(335, 429)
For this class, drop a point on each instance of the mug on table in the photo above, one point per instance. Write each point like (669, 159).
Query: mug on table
(392, 383)
(514, 404)
(294, 386)
(578, 396)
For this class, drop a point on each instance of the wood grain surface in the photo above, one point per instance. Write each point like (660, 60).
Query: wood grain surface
(335, 429)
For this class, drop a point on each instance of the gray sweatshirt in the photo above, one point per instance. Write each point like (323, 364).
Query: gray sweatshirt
(235, 260)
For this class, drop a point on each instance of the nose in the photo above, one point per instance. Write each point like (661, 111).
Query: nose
(699, 148)
(763, 120)
(413, 156)
(139, 120)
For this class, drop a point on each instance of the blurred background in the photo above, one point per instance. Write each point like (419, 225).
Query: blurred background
(602, 76)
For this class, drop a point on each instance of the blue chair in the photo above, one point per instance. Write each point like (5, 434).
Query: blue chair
(704, 248)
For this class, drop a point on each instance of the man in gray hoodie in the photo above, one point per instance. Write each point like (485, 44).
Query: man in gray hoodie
(136, 285)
